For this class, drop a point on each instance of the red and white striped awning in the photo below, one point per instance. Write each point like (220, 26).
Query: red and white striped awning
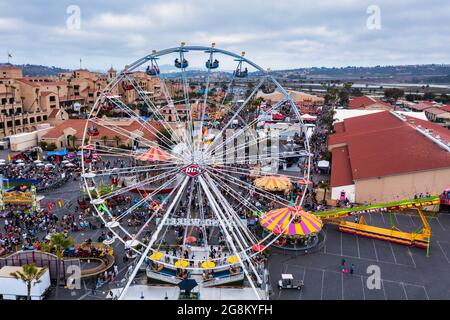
(154, 154)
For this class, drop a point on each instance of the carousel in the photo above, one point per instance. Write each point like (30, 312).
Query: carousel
(298, 229)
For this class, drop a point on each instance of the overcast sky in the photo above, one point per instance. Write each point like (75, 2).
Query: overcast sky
(278, 33)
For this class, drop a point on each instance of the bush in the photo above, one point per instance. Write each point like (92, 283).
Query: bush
(51, 147)
(43, 145)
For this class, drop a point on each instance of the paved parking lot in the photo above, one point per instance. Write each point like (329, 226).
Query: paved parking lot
(406, 272)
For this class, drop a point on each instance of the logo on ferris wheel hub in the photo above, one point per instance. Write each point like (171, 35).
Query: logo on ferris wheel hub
(192, 170)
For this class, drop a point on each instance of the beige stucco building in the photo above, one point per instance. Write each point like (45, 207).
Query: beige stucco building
(382, 157)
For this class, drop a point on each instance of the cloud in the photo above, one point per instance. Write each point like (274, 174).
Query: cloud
(276, 34)
(111, 21)
(9, 24)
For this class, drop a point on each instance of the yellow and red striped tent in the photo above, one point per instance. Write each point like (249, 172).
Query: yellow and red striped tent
(273, 183)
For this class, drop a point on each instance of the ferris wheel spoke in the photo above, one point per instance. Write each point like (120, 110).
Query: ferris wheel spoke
(186, 98)
(147, 198)
(140, 184)
(248, 172)
(171, 105)
(145, 124)
(154, 109)
(152, 240)
(205, 100)
(242, 146)
(255, 90)
(232, 238)
(130, 135)
(252, 188)
(133, 170)
(161, 207)
(121, 131)
(248, 125)
(232, 215)
(223, 184)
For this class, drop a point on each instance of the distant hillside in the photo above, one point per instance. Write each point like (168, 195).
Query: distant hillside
(430, 73)
(33, 70)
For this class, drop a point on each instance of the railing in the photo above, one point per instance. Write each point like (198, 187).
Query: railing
(158, 276)
(361, 209)
(223, 280)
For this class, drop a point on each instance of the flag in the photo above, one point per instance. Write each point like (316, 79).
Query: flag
(9, 55)
(9, 157)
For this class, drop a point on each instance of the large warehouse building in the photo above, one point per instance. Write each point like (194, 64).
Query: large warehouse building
(386, 156)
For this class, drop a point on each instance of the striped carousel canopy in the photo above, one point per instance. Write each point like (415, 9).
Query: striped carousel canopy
(279, 221)
(273, 183)
(154, 154)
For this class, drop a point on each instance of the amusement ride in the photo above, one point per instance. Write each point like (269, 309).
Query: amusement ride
(193, 163)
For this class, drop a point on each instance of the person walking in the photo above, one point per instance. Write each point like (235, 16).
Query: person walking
(343, 265)
(352, 269)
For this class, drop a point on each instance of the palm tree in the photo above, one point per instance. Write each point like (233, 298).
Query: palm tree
(59, 243)
(58, 88)
(117, 139)
(30, 274)
(325, 185)
(36, 100)
(73, 140)
(105, 139)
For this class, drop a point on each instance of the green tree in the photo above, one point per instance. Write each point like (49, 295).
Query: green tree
(30, 276)
(58, 243)
(73, 140)
(394, 93)
(325, 185)
(165, 138)
(43, 145)
(51, 147)
(117, 139)
(429, 96)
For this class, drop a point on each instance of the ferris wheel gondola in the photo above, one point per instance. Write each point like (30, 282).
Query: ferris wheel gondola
(153, 69)
(212, 65)
(181, 65)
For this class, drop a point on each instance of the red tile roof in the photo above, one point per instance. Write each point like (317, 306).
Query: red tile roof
(444, 133)
(53, 113)
(42, 84)
(435, 111)
(79, 124)
(380, 144)
(46, 93)
(341, 171)
(28, 82)
(446, 108)
(339, 127)
(52, 83)
(364, 102)
(421, 106)
(359, 102)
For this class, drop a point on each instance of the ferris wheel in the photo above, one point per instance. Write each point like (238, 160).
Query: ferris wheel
(189, 152)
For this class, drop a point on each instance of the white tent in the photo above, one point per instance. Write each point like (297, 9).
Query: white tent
(323, 164)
